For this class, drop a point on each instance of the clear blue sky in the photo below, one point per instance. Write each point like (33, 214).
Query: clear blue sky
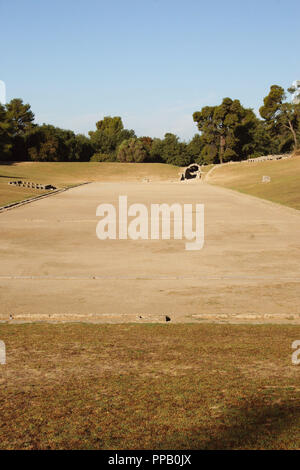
(153, 62)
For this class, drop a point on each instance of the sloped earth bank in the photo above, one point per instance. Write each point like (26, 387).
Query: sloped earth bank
(54, 268)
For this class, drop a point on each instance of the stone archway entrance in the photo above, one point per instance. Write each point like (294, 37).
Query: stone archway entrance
(192, 171)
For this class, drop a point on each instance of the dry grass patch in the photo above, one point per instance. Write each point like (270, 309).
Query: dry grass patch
(66, 174)
(284, 187)
(84, 386)
(10, 194)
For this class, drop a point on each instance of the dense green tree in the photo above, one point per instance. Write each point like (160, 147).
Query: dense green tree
(20, 116)
(102, 143)
(209, 133)
(21, 119)
(210, 153)
(132, 150)
(109, 135)
(82, 149)
(5, 135)
(50, 143)
(227, 131)
(282, 117)
(245, 136)
(156, 150)
(46, 144)
(194, 149)
(170, 150)
(174, 151)
(110, 125)
(30, 141)
(147, 141)
(264, 143)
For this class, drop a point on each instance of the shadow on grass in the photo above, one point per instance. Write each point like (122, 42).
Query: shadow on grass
(18, 177)
(7, 163)
(256, 425)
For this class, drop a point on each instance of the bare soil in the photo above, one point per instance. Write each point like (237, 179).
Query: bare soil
(54, 268)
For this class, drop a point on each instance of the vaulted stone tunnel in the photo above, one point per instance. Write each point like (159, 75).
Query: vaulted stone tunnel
(192, 171)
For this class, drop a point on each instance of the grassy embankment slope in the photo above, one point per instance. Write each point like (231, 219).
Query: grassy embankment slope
(65, 174)
(284, 187)
(80, 386)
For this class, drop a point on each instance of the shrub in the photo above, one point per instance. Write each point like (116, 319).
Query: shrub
(103, 157)
(132, 150)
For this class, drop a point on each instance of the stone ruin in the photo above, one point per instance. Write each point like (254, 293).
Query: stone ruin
(266, 179)
(191, 172)
(28, 184)
(265, 158)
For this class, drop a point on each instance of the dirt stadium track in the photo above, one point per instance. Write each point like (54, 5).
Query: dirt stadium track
(54, 268)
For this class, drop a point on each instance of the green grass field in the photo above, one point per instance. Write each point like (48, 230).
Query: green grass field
(284, 187)
(87, 386)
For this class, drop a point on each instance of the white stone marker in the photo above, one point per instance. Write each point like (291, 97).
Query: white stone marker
(266, 179)
(2, 353)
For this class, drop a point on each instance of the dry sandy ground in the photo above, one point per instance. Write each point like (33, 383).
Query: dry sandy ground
(247, 271)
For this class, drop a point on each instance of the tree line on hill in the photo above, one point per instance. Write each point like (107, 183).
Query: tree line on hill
(227, 132)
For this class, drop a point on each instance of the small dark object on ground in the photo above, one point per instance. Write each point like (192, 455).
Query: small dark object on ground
(168, 318)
